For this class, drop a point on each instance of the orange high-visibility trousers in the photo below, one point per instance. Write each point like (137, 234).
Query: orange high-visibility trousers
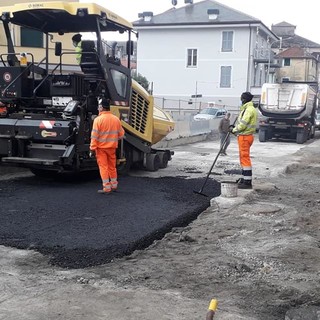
(245, 142)
(106, 159)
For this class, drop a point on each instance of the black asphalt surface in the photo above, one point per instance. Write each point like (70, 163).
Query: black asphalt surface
(77, 227)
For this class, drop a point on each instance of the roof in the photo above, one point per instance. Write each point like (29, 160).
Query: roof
(59, 16)
(289, 38)
(197, 14)
(295, 41)
(295, 52)
(283, 24)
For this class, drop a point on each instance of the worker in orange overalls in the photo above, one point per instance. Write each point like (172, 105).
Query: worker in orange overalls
(106, 133)
(245, 129)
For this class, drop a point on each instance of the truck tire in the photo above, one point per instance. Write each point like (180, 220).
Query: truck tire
(164, 158)
(262, 135)
(312, 132)
(152, 162)
(301, 137)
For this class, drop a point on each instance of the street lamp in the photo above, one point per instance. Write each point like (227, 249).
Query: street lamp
(269, 60)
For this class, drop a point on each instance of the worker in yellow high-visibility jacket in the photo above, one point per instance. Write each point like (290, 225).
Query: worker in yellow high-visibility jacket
(245, 129)
(76, 40)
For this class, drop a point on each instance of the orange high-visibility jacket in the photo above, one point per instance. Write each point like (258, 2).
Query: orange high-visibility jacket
(106, 131)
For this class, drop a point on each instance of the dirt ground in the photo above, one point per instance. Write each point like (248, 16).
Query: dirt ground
(258, 254)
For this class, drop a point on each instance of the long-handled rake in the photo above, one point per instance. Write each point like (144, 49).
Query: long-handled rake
(214, 162)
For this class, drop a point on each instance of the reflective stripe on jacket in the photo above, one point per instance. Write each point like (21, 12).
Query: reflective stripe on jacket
(106, 131)
(247, 120)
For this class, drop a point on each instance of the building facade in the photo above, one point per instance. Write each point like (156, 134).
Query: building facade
(205, 51)
(296, 59)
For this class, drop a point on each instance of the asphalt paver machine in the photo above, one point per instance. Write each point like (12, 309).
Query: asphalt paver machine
(50, 104)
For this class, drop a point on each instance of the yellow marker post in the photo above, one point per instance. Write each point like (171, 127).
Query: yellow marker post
(212, 309)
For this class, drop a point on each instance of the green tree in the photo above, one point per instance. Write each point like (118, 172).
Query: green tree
(143, 81)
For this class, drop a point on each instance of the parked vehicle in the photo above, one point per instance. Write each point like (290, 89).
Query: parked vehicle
(210, 113)
(317, 121)
(50, 110)
(290, 111)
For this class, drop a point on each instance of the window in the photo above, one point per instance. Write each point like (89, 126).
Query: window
(225, 77)
(227, 41)
(192, 58)
(286, 62)
(31, 38)
(120, 81)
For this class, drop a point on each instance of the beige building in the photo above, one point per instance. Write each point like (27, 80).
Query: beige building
(298, 64)
(32, 41)
(296, 59)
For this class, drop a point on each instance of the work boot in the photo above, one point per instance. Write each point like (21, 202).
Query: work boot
(246, 184)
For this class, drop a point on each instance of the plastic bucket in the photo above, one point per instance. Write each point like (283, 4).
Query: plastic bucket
(229, 189)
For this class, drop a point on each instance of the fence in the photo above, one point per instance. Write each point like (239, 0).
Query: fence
(185, 109)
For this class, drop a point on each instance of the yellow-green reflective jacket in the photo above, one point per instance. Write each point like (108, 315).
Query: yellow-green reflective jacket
(247, 120)
(78, 50)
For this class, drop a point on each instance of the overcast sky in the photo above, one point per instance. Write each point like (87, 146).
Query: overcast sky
(304, 14)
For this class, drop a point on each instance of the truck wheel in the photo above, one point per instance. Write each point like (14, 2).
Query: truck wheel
(312, 132)
(301, 137)
(262, 135)
(152, 162)
(164, 158)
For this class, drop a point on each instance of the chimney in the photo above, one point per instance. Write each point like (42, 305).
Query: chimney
(146, 15)
(213, 14)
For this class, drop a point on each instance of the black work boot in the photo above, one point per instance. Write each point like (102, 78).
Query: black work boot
(246, 184)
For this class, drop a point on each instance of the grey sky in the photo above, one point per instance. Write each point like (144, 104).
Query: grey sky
(304, 15)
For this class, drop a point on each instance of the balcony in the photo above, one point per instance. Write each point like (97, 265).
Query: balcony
(261, 55)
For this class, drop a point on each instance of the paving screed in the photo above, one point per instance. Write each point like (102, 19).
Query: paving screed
(77, 227)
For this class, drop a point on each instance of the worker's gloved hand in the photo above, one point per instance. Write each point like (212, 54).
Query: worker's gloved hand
(92, 154)
(231, 128)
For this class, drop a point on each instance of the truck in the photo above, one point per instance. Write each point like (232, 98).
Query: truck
(288, 111)
(50, 104)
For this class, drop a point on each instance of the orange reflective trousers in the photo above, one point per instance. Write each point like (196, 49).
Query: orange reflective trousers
(106, 159)
(245, 142)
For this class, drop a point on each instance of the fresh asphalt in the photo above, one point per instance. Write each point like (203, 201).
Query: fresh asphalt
(76, 227)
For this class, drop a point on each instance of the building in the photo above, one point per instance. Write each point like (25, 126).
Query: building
(296, 59)
(297, 64)
(203, 51)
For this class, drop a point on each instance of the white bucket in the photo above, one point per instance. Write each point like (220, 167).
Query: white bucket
(229, 189)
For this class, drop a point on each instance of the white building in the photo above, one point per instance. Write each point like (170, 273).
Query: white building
(203, 51)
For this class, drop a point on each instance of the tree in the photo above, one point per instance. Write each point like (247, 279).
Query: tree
(143, 81)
